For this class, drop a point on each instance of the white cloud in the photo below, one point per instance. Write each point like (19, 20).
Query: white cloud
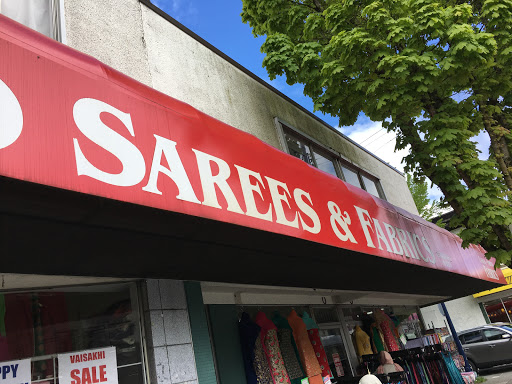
(185, 12)
(482, 143)
(373, 137)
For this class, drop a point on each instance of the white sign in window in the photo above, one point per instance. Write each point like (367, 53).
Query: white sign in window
(15, 372)
(88, 367)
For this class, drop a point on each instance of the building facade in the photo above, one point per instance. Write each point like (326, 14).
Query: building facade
(150, 202)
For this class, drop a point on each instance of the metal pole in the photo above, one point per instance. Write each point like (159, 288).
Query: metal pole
(456, 338)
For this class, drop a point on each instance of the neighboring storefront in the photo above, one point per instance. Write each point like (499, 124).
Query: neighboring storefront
(104, 179)
(497, 303)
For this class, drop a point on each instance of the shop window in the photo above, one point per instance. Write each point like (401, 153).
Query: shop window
(321, 158)
(236, 332)
(499, 310)
(40, 15)
(42, 324)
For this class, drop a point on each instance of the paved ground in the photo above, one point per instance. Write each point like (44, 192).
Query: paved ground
(501, 375)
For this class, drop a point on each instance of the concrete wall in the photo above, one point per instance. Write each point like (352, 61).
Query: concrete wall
(169, 342)
(140, 43)
(464, 312)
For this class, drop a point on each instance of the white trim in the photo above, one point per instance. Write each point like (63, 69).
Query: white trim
(280, 133)
(62, 22)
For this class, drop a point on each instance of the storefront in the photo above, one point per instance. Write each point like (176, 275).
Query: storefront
(496, 303)
(105, 179)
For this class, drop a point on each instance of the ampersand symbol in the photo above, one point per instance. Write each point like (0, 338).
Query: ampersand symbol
(343, 221)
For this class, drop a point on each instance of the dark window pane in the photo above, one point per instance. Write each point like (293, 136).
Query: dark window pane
(473, 337)
(298, 148)
(324, 163)
(371, 186)
(493, 334)
(351, 177)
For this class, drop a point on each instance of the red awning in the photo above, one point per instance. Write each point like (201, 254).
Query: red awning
(71, 122)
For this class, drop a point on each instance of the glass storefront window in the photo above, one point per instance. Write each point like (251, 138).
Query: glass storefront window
(335, 351)
(39, 325)
(498, 311)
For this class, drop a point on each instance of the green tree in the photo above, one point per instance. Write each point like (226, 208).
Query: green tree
(436, 72)
(419, 191)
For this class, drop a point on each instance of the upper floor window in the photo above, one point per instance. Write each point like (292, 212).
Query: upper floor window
(40, 15)
(321, 158)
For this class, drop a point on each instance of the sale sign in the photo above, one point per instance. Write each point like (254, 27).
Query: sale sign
(15, 372)
(337, 363)
(88, 367)
(71, 122)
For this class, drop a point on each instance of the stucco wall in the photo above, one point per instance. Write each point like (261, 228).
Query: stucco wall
(464, 312)
(140, 43)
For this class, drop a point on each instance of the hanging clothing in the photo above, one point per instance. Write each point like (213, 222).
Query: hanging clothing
(388, 329)
(362, 342)
(316, 342)
(249, 332)
(288, 349)
(306, 351)
(261, 367)
(377, 343)
(272, 350)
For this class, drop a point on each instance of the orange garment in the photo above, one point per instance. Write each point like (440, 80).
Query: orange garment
(305, 349)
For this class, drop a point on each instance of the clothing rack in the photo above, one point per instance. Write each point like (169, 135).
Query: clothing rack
(427, 350)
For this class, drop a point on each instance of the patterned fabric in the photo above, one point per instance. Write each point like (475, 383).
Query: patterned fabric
(314, 337)
(261, 367)
(272, 350)
(389, 330)
(277, 367)
(306, 351)
(290, 358)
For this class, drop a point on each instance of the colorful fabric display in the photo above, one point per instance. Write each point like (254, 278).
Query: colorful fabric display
(306, 351)
(316, 342)
(288, 349)
(388, 329)
(261, 367)
(272, 350)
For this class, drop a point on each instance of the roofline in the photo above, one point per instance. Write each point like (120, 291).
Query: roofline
(199, 39)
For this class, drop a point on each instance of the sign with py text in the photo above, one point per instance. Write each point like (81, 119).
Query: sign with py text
(88, 367)
(15, 372)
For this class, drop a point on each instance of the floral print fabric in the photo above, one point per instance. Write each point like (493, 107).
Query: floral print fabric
(272, 350)
(276, 362)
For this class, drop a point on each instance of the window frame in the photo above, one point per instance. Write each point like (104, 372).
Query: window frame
(56, 21)
(339, 160)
